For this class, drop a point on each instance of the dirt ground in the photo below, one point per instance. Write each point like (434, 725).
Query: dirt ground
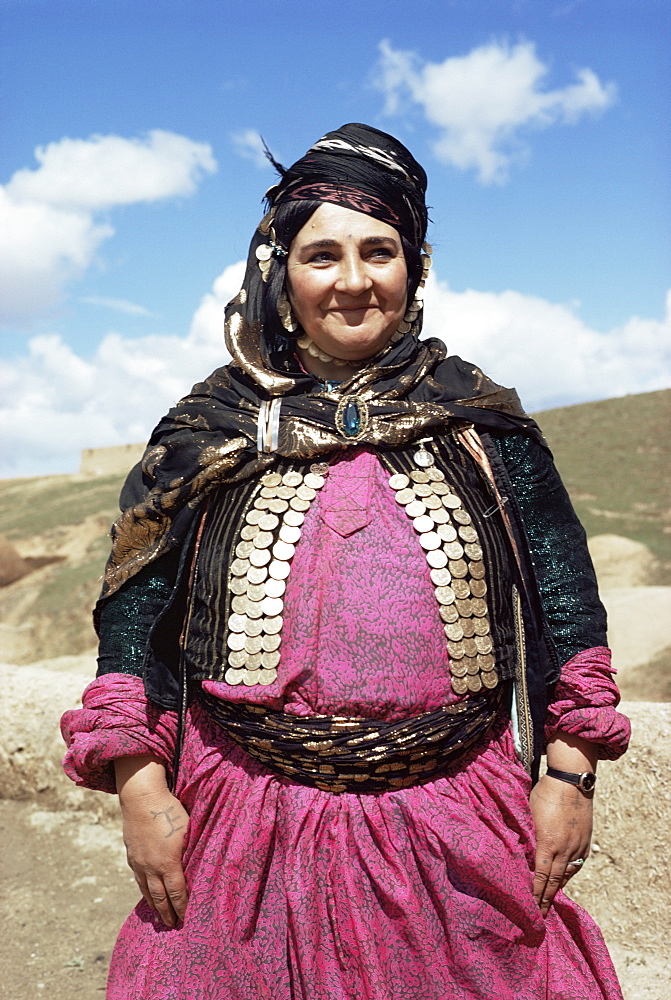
(67, 890)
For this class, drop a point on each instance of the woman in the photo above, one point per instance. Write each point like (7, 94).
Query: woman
(348, 606)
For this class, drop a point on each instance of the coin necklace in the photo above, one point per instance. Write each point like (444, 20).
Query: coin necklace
(455, 558)
(259, 572)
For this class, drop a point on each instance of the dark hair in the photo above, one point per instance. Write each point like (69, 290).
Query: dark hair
(290, 217)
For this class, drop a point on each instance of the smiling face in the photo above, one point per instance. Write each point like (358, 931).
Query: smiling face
(347, 283)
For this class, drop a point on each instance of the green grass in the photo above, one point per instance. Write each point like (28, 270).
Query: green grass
(35, 506)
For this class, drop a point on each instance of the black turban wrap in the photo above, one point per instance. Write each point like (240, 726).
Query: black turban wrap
(364, 169)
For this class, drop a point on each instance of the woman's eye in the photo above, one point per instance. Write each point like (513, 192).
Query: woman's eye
(323, 257)
(381, 253)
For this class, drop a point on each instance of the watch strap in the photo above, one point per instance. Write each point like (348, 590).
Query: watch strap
(585, 781)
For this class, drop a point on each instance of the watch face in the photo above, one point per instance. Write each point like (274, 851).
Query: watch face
(587, 781)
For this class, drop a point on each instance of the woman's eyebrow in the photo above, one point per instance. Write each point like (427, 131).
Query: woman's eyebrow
(327, 244)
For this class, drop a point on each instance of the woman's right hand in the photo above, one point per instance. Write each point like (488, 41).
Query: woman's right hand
(154, 826)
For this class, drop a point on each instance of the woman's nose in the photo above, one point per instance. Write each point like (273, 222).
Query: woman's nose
(353, 278)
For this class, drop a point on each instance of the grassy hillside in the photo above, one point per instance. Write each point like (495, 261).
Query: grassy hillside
(614, 457)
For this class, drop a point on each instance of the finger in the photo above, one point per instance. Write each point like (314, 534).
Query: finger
(553, 883)
(542, 869)
(141, 882)
(175, 886)
(161, 900)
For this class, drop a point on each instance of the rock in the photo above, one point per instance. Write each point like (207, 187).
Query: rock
(12, 566)
(621, 562)
(639, 624)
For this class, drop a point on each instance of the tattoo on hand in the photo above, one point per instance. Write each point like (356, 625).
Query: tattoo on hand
(170, 819)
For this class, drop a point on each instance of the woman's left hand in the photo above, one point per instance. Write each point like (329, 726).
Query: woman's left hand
(563, 819)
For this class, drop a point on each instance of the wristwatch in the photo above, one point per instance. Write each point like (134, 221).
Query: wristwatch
(585, 781)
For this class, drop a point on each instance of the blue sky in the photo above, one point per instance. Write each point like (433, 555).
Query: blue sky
(543, 126)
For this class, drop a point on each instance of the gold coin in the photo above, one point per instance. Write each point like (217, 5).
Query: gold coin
(298, 504)
(272, 606)
(278, 506)
(270, 660)
(477, 570)
(436, 558)
(292, 479)
(399, 481)
(435, 475)
(249, 531)
(320, 468)
(267, 677)
(238, 585)
(283, 551)
(468, 626)
(422, 523)
(271, 479)
(256, 591)
(250, 677)
(459, 685)
(456, 650)
(239, 605)
(458, 668)
(289, 534)
(405, 496)
(478, 588)
(458, 567)
(471, 665)
(236, 640)
(254, 626)
(314, 481)
(448, 614)
(259, 557)
(279, 570)
(453, 550)
(274, 588)
(253, 661)
(257, 574)
(461, 588)
(454, 632)
(474, 683)
(253, 643)
(285, 492)
(441, 489)
(422, 490)
(415, 509)
(461, 517)
(239, 566)
(272, 625)
(237, 623)
(486, 661)
(432, 502)
(473, 550)
(263, 540)
(440, 577)
(306, 493)
(464, 608)
(233, 676)
(440, 515)
(294, 518)
(254, 609)
(261, 503)
(444, 595)
(471, 647)
(481, 626)
(423, 458)
(418, 476)
(271, 642)
(468, 533)
(489, 680)
(479, 607)
(446, 531)
(268, 522)
(253, 516)
(429, 540)
(451, 501)
(483, 643)
(243, 549)
(268, 492)
(237, 658)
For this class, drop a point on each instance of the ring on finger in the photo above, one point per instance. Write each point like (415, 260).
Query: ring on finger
(577, 863)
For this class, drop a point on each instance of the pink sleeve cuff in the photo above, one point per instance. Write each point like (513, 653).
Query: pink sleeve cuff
(584, 704)
(116, 720)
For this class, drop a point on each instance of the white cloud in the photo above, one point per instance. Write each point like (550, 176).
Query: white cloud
(54, 403)
(484, 101)
(249, 144)
(119, 305)
(49, 232)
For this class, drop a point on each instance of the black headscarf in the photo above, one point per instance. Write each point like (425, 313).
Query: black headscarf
(410, 389)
